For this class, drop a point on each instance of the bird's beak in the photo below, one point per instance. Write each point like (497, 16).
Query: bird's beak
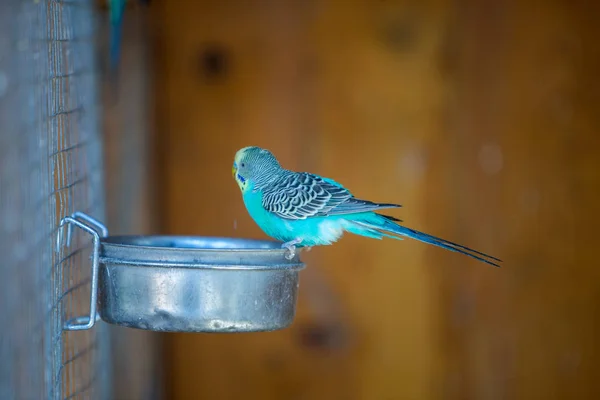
(233, 170)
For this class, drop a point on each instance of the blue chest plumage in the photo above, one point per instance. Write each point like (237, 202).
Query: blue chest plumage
(313, 231)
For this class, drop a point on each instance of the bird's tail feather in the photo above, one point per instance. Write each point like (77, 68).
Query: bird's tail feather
(379, 223)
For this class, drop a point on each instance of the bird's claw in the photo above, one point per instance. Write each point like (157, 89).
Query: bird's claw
(291, 248)
(291, 252)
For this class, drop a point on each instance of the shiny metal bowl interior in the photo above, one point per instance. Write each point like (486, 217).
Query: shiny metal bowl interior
(193, 242)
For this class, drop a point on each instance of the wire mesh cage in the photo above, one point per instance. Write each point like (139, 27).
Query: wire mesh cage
(50, 166)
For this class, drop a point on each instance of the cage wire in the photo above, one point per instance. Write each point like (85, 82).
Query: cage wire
(50, 166)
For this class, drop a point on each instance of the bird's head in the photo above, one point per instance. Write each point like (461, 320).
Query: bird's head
(253, 165)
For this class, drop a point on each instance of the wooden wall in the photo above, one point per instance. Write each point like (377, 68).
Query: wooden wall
(480, 117)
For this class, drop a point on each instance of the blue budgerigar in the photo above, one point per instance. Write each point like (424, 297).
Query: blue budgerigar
(304, 210)
(116, 8)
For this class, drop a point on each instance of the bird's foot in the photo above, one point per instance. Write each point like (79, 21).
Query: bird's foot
(291, 248)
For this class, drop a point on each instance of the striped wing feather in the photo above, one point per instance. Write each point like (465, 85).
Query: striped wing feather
(303, 195)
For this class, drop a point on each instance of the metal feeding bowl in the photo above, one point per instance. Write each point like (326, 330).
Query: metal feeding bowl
(187, 284)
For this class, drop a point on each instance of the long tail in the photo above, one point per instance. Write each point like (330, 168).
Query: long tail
(376, 226)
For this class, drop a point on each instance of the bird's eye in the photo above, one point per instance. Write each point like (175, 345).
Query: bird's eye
(242, 165)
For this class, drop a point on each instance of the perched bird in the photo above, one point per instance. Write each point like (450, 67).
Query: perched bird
(305, 210)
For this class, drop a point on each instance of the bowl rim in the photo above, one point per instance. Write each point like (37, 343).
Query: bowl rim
(163, 251)
(130, 241)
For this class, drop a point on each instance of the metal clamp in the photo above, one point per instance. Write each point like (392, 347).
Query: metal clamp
(98, 231)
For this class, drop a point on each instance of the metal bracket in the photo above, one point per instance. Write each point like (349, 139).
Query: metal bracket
(98, 231)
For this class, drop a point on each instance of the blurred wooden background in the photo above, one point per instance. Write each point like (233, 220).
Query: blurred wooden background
(480, 117)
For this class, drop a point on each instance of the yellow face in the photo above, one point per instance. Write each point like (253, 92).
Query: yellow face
(237, 170)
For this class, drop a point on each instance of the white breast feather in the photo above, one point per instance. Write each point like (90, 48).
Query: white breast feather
(330, 231)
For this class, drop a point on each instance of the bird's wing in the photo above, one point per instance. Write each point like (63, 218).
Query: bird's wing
(303, 195)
